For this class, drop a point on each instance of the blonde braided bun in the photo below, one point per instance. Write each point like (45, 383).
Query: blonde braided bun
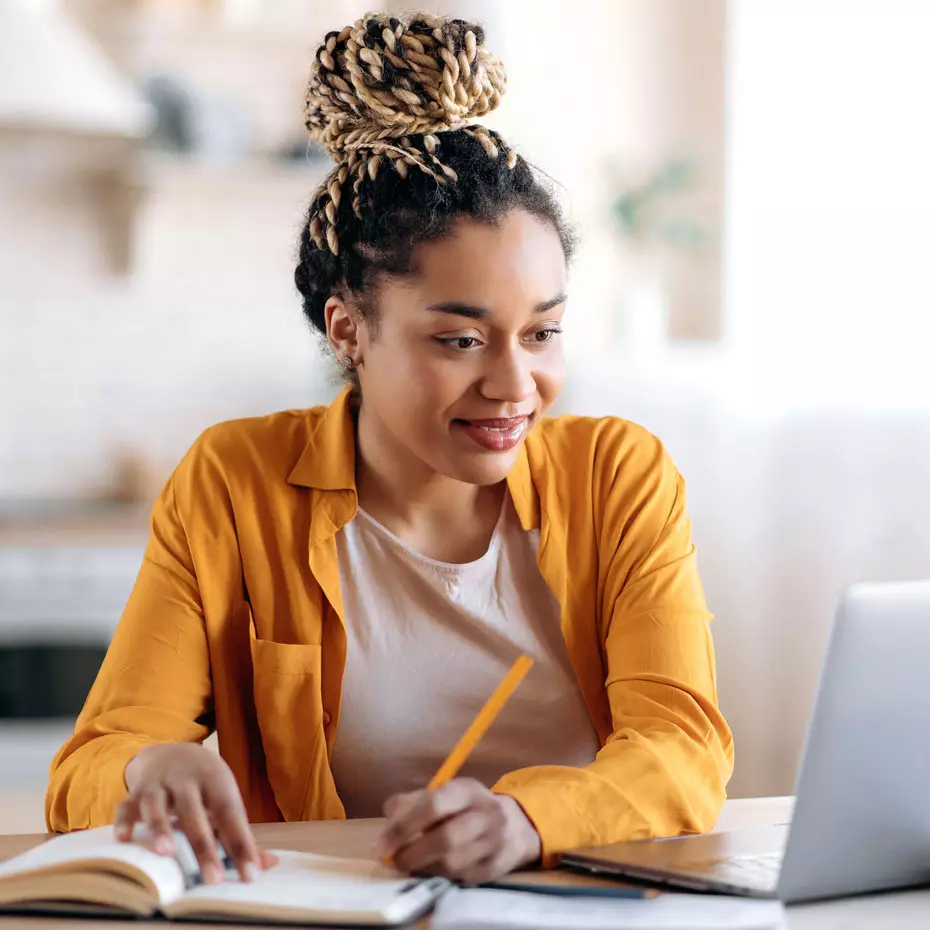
(381, 94)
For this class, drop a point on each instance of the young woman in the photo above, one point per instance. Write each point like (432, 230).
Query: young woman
(337, 591)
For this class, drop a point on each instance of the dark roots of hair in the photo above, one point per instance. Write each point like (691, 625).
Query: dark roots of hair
(398, 213)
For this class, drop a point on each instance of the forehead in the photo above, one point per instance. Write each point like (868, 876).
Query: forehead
(515, 261)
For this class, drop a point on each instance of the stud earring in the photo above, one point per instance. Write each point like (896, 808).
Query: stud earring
(347, 362)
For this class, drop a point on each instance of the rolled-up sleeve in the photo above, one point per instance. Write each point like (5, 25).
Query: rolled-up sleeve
(664, 768)
(153, 686)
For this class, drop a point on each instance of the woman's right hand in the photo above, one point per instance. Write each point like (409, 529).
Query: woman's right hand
(196, 787)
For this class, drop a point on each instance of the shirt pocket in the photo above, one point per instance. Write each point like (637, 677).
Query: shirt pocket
(286, 684)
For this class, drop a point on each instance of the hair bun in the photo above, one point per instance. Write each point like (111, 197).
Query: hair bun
(387, 77)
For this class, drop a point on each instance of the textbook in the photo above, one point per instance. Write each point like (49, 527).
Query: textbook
(89, 872)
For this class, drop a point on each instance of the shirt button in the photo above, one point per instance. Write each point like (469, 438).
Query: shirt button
(326, 718)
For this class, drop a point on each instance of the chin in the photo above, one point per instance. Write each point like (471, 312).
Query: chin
(483, 468)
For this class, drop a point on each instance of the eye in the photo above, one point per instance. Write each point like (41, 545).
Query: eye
(464, 343)
(543, 336)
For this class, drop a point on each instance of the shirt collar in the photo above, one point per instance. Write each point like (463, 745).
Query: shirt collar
(328, 460)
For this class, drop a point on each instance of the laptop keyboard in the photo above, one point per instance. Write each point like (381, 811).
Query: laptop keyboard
(757, 872)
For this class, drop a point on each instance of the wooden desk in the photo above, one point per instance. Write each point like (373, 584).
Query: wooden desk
(900, 911)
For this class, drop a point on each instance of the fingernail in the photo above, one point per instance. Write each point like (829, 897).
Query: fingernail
(164, 845)
(250, 872)
(213, 874)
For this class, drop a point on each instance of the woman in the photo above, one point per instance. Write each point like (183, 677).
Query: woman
(336, 591)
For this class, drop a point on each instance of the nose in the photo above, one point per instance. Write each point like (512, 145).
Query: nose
(509, 376)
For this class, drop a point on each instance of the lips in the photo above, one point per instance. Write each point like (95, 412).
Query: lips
(509, 423)
(500, 434)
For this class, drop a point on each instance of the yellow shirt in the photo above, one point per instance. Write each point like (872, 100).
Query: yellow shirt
(235, 624)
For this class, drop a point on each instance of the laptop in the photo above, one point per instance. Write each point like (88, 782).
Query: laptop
(861, 820)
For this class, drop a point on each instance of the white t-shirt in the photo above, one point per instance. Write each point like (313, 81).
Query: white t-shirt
(428, 642)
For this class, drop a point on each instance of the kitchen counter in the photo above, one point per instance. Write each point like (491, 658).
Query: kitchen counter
(66, 570)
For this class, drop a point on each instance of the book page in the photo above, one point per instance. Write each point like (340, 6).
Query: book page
(304, 884)
(98, 850)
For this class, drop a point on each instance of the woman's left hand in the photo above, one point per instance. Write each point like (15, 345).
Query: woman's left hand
(461, 831)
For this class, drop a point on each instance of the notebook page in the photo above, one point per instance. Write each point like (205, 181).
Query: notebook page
(482, 909)
(99, 846)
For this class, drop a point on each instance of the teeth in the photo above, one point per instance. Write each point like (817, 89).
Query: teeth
(502, 429)
(514, 432)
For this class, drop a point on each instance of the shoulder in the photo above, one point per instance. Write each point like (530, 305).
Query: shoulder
(609, 471)
(605, 449)
(248, 451)
(275, 435)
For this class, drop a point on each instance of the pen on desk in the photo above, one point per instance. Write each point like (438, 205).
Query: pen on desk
(479, 726)
(606, 890)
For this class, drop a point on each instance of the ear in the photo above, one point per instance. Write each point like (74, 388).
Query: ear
(342, 329)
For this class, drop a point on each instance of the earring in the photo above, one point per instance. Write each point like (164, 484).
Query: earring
(347, 362)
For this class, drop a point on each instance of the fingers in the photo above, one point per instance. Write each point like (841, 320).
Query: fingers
(153, 806)
(127, 816)
(199, 789)
(395, 806)
(194, 823)
(414, 814)
(452, 848)
(232, 827)
(484, 870)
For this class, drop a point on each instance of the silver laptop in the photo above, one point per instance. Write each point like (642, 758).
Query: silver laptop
(862, 817)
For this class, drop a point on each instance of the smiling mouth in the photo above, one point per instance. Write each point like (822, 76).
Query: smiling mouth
(496, 435)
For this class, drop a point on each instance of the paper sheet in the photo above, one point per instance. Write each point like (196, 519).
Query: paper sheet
(485, 909)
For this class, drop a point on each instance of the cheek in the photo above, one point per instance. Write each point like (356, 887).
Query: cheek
(550, 375)
(408, 368)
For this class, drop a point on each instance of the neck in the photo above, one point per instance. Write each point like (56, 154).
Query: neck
(419, 505)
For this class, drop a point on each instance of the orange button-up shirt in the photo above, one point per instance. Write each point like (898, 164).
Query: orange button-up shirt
(236, 624)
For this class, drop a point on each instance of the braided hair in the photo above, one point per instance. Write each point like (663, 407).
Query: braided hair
(393, 102)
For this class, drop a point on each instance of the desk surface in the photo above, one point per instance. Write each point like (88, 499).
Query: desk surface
(903, 911)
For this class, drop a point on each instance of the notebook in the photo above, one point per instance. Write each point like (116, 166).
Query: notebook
(486, 909)
(91, 873)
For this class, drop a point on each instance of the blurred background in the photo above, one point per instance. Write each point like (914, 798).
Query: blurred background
(750, 180)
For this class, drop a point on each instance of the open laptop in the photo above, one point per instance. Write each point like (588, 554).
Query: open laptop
(862, 817)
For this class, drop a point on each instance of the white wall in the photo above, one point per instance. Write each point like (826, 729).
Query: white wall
(806, 439)
(828, 198)
(94, 366)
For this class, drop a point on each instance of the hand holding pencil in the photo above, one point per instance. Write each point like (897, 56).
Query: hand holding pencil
(455, 826)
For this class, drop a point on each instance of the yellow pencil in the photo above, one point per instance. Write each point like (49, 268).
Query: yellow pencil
(479, 726)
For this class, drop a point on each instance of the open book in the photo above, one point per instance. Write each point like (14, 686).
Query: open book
(90, 872)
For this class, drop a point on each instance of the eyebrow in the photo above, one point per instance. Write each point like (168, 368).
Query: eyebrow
(480, 313)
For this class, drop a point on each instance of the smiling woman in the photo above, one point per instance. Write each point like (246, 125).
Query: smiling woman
(336, 591)
(464, 355)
